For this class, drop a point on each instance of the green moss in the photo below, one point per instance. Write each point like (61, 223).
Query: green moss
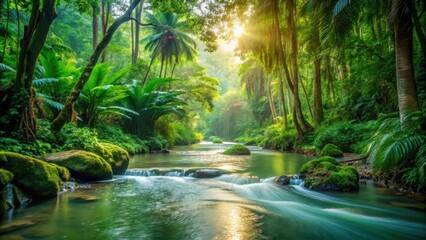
(237, 150)
(31, 175)
(309, 166)
(83, 165)
(331, 150)
(5, 178)
(116, 156)
(217, 140)
(327, 174)
(63, 172)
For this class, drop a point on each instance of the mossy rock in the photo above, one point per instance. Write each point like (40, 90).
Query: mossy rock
(63, 172)
(331, 150)
(217, 140)
(33, 176)
(116, 156)
(5, 178)
(327, 174)
(237, 150)
(84, 166)
(211, 138)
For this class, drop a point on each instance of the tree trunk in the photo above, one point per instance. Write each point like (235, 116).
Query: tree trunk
(95, 25)
(282, 98)
(329, 77)
(67, 111)
(405, 82)
(373, 31)
(318, 111)
(32, 43)
(139, 11)
(291, 16)
(418, 26)
(106, 12)
(271, 102)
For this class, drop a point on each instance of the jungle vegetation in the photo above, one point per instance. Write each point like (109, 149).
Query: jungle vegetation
(281, 74)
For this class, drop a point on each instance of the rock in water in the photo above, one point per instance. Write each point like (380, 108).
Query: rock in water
(327, 174)
(283, 180)
(237, 150)
(33, 176)
(116, 156)
(83, 165)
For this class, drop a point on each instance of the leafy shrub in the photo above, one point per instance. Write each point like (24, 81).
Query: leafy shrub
(115, 135)
(157, 142)
(82, 138)
(348, 136)
(273, 137)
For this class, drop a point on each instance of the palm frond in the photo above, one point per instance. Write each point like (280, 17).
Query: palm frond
(4, 67)
(340, 5)
(43, 81)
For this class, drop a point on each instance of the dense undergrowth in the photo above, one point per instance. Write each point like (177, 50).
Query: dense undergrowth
(85, 138)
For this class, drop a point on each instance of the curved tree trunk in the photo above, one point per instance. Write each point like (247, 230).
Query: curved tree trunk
(407, 95)
(67, 111)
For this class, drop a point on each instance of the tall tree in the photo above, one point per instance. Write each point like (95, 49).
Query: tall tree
(95, 24)
(407, 94)
(136, 33)
(19, 103)
(168, 42)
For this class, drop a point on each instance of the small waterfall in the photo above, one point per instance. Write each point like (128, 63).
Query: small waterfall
(141, 172)
(238, 179)
(193, 172)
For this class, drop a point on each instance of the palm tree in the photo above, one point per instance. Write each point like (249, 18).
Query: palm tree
(401, 16)
(151, 104)
(168, 42)
(399, 144)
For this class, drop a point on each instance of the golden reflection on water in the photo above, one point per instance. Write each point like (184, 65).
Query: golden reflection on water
(237, 222)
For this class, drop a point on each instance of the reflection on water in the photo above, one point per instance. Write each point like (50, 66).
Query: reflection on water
(241, 204)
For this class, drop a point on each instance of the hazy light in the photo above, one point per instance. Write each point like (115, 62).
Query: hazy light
(229, 46)
(238, 31)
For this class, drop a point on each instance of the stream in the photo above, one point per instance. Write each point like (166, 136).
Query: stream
(159, 198)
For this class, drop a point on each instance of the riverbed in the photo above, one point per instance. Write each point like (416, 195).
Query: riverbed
(159, 198)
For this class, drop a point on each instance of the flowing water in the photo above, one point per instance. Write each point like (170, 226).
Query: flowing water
(159, 198)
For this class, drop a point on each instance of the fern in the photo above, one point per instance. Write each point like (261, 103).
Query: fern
(4, 67)
(43, 81)
(394, 147)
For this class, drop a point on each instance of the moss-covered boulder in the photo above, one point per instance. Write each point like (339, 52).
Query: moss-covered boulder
(84, 166)
(63, 172)
(327, 174)
(331, 150)
(217, 140)
(116, 156)
(5, 178)
(237, 150)
(33, 176)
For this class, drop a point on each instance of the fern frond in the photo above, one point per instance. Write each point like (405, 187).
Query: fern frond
(4, 67)
(43, 81)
